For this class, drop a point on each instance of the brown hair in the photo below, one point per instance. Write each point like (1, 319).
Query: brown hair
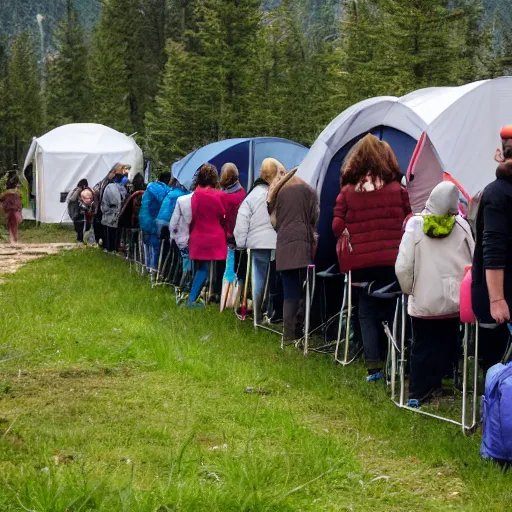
(229, 175)
(370, 157)
(207, 176)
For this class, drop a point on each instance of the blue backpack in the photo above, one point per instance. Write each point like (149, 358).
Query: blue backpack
(497, 414)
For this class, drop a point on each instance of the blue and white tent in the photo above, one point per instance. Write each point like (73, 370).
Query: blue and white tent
(247, 154)
(463, 123)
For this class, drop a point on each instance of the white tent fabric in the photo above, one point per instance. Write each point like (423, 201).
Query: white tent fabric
(69, 153)
(463, 124)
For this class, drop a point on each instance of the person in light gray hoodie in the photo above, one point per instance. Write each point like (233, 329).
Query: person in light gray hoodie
(254, 231)
(435, 250)
(111, 205)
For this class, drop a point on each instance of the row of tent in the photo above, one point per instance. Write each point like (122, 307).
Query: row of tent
(434, 132)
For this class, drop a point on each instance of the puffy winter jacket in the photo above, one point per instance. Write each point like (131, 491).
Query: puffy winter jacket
(150, 207)
(111, 204)
(180, 221)
(374, 220)
(168, 205)
(233, 197)
(253, 229)
(435, 249)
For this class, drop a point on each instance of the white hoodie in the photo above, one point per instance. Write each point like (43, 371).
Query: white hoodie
(253, 229)
(430, 269)
(179, 226)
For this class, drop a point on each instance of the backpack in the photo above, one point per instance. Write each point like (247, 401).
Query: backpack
(497, 414)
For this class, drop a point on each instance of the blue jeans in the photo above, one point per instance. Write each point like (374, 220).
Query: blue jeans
(260, 261)
(152, 249)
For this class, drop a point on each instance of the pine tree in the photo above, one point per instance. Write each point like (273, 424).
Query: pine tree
(68, 79)
(24, 103)
(138, 31)
(109, 77)
(3, 103)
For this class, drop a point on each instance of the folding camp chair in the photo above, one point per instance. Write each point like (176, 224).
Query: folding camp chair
(398, 363)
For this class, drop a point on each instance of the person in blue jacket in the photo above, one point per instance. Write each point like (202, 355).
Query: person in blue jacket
(149, 210)
(169, 203)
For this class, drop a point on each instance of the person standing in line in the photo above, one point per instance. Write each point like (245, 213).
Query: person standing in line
(149, 210)
(74, 211)
(492, 263)
(368, 219)
(296, 214)
(207, 241)
(436, 248)
(253, 230)
(111, 205)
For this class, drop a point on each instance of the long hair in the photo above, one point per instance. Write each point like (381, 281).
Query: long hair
(371, 158)
(207, 176)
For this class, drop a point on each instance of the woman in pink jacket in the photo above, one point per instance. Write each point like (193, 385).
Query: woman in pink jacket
(207, 230)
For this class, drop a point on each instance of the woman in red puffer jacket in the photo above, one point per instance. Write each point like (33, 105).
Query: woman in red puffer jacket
(370, 212)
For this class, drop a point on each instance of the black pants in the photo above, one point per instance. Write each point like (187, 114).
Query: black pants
(293, 306)
(112, 239)
(434, 353)
(79, 225)
(99, 230)
(492, 345)
(372, 312)
(275, 294)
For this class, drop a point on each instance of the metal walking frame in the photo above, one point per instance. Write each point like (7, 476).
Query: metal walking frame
(398, 356)
(310, 293)
(264, 299)
(345, 314)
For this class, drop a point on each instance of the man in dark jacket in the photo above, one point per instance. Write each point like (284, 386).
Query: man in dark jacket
(492, 264)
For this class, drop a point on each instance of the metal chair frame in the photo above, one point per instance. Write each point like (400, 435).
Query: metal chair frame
(398, 361)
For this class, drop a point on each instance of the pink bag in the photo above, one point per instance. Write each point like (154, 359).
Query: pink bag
(466, 304)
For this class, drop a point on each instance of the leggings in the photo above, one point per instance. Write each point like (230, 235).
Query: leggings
(201, 275)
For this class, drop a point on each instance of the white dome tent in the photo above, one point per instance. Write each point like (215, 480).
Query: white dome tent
(65, 155)
(463, 124)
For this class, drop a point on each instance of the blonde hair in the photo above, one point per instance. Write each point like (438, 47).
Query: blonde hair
(271, 169)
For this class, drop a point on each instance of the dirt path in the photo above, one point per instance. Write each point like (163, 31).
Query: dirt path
(13, 257)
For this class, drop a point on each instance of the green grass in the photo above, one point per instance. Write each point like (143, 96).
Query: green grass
(119, 401)
(30, 233)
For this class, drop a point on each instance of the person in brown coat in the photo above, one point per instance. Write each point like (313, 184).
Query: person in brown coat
(297, 210)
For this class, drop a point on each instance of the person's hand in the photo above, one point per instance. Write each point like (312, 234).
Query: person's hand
(500, 311)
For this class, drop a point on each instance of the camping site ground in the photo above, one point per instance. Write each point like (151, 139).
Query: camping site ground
(112, 398)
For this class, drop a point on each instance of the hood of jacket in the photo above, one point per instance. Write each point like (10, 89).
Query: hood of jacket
(158, 190)
(504, 170)
(443, 200)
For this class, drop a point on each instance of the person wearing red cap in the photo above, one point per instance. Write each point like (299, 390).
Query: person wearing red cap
(492, 262)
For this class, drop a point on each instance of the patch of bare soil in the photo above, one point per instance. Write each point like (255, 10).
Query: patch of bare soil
(13, 257)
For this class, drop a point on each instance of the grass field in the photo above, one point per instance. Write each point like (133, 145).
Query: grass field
(45, 233)
(116, 400)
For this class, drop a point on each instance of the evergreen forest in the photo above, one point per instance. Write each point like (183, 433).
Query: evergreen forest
(183, 73)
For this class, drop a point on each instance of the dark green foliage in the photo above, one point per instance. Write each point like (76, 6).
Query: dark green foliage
(109, 76)
(68, 79)
(22, 109)
(183, 73)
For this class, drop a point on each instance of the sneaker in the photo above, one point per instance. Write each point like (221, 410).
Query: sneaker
(375, 377)
(414, 403)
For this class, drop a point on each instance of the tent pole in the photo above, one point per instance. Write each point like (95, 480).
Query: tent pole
(250, 177)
